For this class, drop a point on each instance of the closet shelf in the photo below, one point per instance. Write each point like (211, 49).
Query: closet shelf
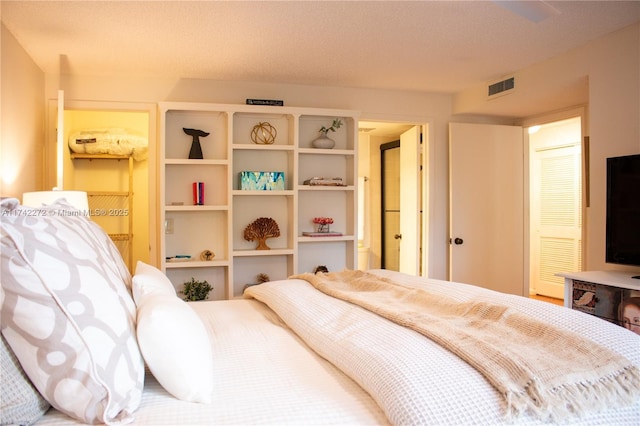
(107, 206)
(108, 193)
(99, 157)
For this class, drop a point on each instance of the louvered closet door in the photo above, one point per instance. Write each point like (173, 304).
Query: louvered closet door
(556, 215)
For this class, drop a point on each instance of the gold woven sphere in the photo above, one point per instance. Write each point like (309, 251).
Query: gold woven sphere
(263, 134)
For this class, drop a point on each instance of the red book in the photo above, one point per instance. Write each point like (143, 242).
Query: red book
(195, 193)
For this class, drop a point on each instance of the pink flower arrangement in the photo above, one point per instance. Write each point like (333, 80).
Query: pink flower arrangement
(323, 223)
(323, 220)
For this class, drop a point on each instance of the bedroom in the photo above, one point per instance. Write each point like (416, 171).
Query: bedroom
(610, 62)
(609, 109)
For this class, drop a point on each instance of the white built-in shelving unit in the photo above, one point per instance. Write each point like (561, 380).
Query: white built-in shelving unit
(218, 225)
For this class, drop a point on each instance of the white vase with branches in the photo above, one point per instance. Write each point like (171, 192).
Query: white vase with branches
(323, 141)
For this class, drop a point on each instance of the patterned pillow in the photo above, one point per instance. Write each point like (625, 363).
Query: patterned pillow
(20, 403)
(67, 312)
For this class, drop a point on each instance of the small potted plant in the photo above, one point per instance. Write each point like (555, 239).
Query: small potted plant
(196, 290)
(323, 141)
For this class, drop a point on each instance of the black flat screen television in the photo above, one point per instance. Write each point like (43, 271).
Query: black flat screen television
(623, 210)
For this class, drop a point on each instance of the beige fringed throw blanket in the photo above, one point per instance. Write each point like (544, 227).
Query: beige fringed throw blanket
(540, 369)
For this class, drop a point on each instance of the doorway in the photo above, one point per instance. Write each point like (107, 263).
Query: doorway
(103, 177)
(555, 160)
(390, 190)
(409, 192)
(552, 209)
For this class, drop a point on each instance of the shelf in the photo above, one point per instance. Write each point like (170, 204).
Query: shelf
(197, 264)
(316, 151)
(325, 188)
(75, 156)
(272, 252)
(111, 210)
(219, 226)
(108, 194)
(304, 239)
(194, 208)
(192, 162)
(242, 192)
(258, 147)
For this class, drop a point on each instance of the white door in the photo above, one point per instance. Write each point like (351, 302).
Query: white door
(410, 201)
(556, 205)
(60, 141)
(486, 171)
(391, 188)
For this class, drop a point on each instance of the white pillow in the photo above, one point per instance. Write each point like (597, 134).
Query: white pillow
(67, 312)
(149, 280)
(176, 347)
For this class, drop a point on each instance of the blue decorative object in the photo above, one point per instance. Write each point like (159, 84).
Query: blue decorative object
(262, 181)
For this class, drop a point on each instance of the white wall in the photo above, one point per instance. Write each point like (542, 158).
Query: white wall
(22, 121)
(611, 65)
(614, 104)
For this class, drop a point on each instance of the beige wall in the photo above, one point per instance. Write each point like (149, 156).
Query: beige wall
(22, 120)
(611, 65)
(614, 114)
(385, 105)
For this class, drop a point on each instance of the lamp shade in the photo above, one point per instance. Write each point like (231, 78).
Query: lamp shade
(77, 199)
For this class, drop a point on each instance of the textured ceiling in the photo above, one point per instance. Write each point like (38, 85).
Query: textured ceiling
(434, 46)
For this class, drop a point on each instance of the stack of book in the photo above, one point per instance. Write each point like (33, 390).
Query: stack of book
(198, 193)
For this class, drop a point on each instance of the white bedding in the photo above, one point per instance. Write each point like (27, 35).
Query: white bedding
(414, 380)
(265, 374)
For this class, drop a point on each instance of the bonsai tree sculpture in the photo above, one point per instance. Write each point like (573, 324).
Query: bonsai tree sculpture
(261, 229)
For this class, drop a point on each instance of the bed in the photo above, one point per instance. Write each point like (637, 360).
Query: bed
(131, 351)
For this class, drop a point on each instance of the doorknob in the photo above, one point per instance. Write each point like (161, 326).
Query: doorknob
(397, 236)
(458, 241)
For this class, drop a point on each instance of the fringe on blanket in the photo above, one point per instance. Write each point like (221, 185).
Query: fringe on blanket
(574, 400)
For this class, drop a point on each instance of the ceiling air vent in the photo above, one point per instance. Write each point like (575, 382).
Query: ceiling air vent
(501, 87)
